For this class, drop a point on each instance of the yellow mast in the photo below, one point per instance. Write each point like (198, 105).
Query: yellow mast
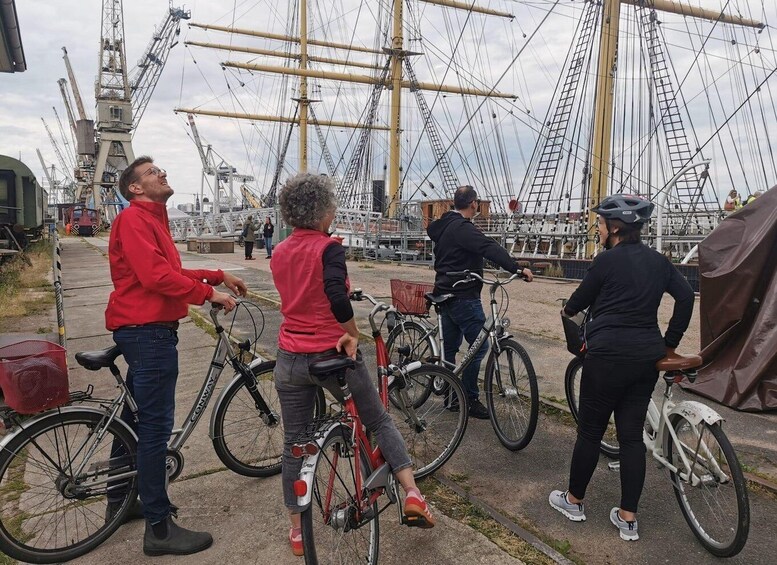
(608, 55)
(397, 43)
(303, 87)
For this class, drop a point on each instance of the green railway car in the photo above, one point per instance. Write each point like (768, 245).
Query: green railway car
(22, 199)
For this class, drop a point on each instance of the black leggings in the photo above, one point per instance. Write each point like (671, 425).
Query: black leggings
(607, 387)
(249, 248)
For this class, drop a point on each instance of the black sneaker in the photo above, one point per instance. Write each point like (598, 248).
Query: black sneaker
(477, 410)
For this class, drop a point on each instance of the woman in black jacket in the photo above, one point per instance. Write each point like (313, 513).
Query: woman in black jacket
(267, 231)
(623, 289)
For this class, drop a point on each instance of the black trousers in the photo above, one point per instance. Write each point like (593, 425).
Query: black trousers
(249, 248)
(625, 389)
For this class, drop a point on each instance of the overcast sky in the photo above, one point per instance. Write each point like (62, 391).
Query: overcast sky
(193, 77)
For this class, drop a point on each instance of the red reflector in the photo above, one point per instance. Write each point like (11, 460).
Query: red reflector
(311, 448)
(297, 451)
(300, 487)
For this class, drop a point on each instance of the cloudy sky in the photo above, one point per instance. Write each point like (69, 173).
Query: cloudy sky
(193, 77)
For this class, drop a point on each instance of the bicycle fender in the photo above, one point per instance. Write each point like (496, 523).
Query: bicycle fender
(308, 470)
(696, 412)
(233, 383)
(18, 430)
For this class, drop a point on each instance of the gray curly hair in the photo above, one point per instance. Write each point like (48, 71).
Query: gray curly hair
(306, 198)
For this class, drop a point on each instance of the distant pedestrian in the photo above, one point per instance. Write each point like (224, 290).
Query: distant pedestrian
(733, 202)
(268, 230)
(249, 237)
(752, 197)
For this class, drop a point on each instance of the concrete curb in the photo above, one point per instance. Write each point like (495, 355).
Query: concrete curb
(504, 521)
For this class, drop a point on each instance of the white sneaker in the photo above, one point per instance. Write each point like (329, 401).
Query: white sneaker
(573, 511)
(628, 530)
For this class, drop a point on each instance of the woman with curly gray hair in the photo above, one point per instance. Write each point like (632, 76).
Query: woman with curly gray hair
(311, 276)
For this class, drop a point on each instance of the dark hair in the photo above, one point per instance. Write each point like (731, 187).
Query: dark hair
(128, 175)
(628, 233)
(464, 196)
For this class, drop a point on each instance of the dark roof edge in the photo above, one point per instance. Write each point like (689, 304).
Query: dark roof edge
(11, 24)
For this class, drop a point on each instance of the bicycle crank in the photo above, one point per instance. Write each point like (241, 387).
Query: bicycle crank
(173, 464)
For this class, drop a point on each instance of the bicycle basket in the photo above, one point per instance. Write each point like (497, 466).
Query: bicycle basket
(573, 333)
(408, 297)
(33, 376)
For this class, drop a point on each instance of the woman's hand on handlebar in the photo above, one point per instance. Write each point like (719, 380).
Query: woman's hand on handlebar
(223, 299)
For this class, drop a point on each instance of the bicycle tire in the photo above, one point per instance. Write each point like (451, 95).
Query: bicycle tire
(609, 444)
(434, 430)
(242, 439)
(37, 462)
(722, 535)
(513, 423)
(412, 334)
(331, 514)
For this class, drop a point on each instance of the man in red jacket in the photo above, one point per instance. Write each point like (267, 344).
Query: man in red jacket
(152, 292)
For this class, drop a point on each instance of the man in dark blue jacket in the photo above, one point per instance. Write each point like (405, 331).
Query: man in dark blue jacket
(460, 246)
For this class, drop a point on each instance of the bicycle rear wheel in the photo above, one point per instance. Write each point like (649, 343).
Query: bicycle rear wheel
(48, 515)
(245, 440)
(340, 526)
(717, 509)
(410, 341)
(609, 445)
(433, 430)
(512, 395)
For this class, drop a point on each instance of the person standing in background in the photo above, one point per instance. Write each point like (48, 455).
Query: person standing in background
(268, 230)
(249, 237)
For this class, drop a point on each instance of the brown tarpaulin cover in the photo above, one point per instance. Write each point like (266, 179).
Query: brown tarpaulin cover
(738, 307)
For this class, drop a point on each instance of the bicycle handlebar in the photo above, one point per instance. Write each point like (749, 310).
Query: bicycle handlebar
(357, 295)
(469, 275)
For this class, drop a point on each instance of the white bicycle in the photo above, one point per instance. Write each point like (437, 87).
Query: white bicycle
(687, 438)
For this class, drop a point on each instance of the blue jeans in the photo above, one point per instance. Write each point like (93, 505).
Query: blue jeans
(268, 245)
(464, 318)
(152, 360)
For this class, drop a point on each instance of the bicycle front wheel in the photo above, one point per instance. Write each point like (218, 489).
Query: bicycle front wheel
(247, 441)
(609, 445)
(717, 508)
(512, 395)
(54, 481)
(433, 430)
(340, 526)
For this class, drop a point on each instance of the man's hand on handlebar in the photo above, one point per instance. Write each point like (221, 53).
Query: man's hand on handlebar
(527, 275)
(235, 284)
(223, 299)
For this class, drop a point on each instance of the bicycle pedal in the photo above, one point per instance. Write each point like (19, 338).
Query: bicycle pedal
(415, 521)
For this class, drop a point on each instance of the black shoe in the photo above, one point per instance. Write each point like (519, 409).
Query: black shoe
(477, 410)
(178, 541)
(135, 511)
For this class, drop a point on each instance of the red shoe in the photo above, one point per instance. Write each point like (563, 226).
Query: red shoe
(295, 539)
(417, 512)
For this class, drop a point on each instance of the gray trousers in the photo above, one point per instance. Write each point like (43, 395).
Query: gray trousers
(297, 393)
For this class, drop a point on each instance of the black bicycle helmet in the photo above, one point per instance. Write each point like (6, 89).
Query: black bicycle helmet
(627, 208)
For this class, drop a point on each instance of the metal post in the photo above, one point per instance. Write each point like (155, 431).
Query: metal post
(662, 196)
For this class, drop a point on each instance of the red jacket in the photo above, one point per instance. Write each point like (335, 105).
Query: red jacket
(150, 285)
(298, 273)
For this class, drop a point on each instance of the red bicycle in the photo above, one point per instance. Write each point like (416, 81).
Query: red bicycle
(343, 477)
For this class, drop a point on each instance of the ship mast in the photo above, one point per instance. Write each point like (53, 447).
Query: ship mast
(608, 55)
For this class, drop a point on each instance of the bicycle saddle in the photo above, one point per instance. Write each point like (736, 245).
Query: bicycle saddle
(332, 365)
(96, 360)
(437, 298)
(676, 362)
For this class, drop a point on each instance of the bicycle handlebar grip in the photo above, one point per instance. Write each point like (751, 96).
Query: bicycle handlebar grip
(458, 274)
(356, 295)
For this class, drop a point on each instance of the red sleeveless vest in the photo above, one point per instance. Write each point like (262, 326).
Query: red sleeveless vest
(298, 273)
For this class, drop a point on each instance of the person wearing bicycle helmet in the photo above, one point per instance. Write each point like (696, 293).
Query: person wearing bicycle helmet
(622, 289)
(311, 276)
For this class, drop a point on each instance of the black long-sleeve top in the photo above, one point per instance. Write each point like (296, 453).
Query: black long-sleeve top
(335, 273)
(460, 246)
(625, 285)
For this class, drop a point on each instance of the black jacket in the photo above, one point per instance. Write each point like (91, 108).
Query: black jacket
(460, 246)
(267, 229)
(625, 285)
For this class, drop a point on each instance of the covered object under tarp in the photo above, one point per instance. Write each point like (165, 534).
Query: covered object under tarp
(738, 308)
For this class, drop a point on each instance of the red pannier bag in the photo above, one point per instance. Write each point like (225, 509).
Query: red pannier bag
(33, 376)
